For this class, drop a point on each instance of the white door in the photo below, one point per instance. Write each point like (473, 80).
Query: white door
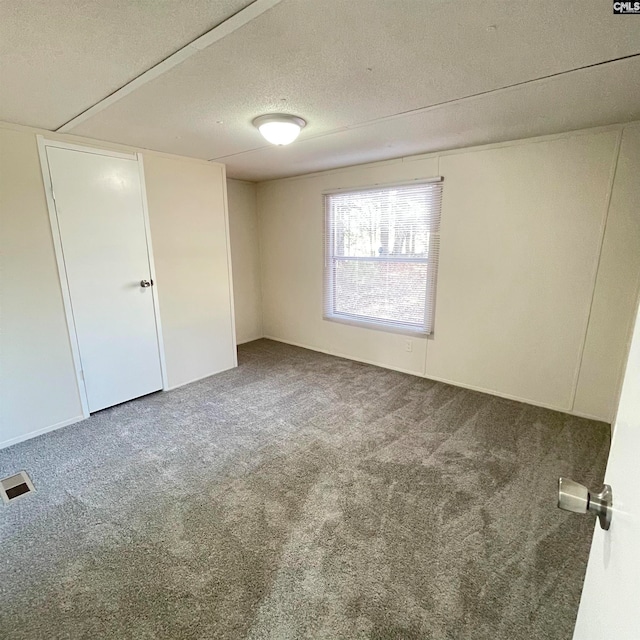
(610, 604)
(100, 215)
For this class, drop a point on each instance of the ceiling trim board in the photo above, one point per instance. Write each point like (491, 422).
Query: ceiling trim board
(433, 107)
(96, 143)
(243, 180)
(235, 22)
(507, 87)
(618, 126)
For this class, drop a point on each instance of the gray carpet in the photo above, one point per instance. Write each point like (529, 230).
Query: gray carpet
(300, 496)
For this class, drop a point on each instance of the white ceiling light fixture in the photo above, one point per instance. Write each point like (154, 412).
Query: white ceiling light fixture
(279, 128)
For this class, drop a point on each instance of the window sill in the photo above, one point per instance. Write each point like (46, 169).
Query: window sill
(377, 326)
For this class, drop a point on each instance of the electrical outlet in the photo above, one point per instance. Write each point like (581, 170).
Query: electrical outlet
(408, 345)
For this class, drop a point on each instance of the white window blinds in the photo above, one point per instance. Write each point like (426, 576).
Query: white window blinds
(381, 256)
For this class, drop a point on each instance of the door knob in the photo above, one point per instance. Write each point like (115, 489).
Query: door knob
(575, 497)
(146, 283)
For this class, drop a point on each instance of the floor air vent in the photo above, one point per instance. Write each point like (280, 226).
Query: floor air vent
(16, 486)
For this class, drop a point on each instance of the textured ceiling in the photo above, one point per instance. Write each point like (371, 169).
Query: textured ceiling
(374, 78)
(59, 57)
(588, 98)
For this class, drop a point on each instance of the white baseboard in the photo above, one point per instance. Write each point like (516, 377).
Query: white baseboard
(32, 434)
(206, 375)
(507, 396)
(498, 394)
(250, 340)
(588, 416)
(39, 432)
(445, 381)
(338, 354)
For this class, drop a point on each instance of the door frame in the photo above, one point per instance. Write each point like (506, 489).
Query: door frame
(43, 143)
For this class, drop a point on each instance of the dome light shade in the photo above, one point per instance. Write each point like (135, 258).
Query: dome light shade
(279, 128)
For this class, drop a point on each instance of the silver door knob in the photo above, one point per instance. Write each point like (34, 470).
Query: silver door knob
(146, 283)
(576, 498)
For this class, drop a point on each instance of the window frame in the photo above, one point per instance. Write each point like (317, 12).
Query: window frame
(329, 290)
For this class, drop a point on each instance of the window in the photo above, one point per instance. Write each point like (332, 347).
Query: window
(381, 256)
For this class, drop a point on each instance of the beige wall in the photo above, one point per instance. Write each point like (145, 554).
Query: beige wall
(245, 255)
(291, 228)
(511, 320)
(616, 290)
(521, 232)
(38, 386)
(522, 229)
(187, 212)
(187, 215)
